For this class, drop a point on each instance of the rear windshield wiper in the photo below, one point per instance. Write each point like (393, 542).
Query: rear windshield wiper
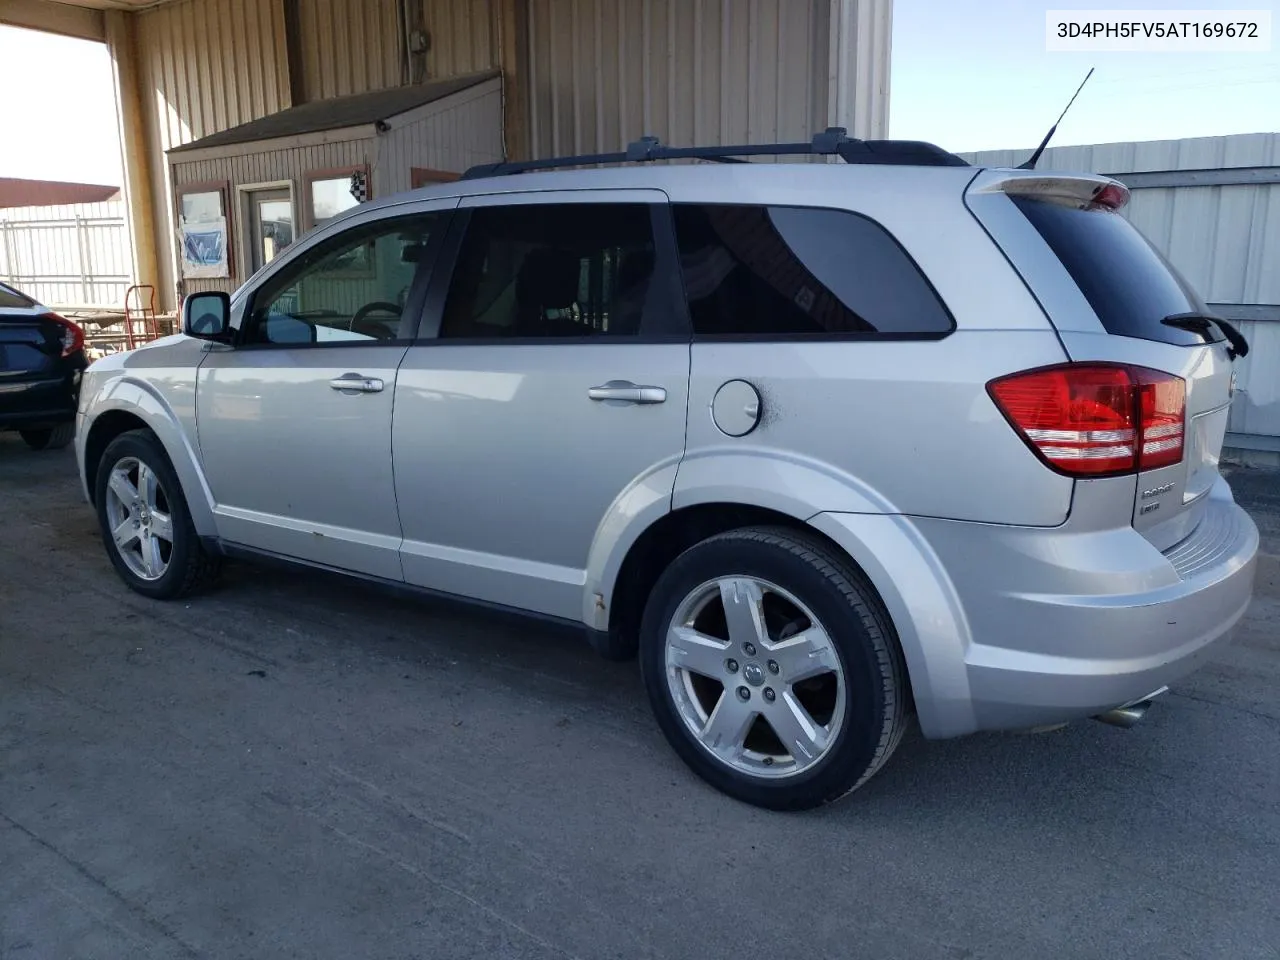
(1202, 322)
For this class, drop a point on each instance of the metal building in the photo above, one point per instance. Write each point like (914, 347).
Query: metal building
(1212, 206)
(577, 75)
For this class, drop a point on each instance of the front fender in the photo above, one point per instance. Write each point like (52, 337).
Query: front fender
(141, 399)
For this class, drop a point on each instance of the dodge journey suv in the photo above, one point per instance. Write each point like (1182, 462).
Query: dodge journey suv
(825, 445)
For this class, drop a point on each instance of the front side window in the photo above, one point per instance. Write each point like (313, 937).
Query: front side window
(552, 271)
(352, 288)
(796, 271)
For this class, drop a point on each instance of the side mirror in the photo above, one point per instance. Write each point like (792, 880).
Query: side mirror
(207, 316)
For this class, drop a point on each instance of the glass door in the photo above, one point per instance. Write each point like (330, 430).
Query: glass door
(270, 224)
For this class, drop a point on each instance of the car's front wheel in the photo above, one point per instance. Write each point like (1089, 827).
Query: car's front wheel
(772, 668)
(145, 523)
(50, 438)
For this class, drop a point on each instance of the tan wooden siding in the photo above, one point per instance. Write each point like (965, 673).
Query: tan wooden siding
(464, 131)
(266, 167)
(349, 46)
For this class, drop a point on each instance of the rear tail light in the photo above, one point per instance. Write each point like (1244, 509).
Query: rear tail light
(72, 336)
(1096, 419)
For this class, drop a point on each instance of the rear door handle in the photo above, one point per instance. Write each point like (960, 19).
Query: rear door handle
(624, 391)
(356, 383)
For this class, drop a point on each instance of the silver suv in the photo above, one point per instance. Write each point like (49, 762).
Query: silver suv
(827, 445)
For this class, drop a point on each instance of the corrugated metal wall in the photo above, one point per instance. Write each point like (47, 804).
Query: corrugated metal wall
(1224, 239)
(463, 36)
(73, 255)
(213, 64)
(605, 72)
(208, 65)
(460, 131)
(349, 46)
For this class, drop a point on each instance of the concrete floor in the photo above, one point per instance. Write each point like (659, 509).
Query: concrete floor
(294, 766)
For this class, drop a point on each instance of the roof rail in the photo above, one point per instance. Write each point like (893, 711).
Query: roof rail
(834, 141)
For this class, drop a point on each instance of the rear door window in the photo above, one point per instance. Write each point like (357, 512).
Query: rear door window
(800, 272)
(1129, 284)
(546, 270)
(11, 298)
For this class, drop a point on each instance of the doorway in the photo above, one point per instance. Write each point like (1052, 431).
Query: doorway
(269, 224)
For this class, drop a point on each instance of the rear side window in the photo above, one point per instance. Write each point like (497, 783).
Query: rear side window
(1130, 286)
(797, 271)
(13, 299)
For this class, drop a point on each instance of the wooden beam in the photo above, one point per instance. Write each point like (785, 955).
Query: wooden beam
(50, 17)
(293, 53)
(513, 58)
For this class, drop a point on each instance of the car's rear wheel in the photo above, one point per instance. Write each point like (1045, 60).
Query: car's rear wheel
(145, 523)
(49, 438)
(772, 668)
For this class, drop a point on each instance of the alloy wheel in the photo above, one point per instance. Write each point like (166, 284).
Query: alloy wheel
(755, 677)
(140, 517)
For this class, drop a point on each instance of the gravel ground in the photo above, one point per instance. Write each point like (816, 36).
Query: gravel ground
(296, 766)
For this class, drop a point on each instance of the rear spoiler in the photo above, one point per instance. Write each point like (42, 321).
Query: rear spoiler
(1086, 191)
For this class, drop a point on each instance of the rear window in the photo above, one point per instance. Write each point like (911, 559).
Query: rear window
(1129, 284)
(753, 271)
(10, 297)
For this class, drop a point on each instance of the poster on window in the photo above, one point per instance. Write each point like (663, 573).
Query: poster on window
(203, 234)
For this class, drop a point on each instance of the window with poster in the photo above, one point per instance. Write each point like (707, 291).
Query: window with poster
(204, 229)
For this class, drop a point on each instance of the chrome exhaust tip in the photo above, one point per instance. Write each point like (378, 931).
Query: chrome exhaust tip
(1129, 714)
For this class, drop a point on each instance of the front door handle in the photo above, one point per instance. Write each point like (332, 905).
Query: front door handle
(624, 391)
(356, 383)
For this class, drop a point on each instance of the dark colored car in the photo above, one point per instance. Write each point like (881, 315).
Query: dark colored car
(41, 363)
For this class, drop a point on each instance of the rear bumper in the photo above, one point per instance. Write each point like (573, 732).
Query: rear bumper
(38, 403)
(1042, 626)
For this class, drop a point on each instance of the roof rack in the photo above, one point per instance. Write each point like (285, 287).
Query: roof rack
(834, 141)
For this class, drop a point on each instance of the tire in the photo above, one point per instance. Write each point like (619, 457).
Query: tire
(50, 438)
(166, 574)
(798, 579)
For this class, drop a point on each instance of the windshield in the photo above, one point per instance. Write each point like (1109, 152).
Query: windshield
(1129, 284)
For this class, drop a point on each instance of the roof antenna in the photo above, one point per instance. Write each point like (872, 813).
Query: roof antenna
(1031, 160)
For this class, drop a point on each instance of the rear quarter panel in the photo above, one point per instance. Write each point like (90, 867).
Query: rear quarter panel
(884, 426)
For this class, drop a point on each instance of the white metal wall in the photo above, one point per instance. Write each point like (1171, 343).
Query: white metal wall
(452, 134)
(1225, 239)
(74, 255)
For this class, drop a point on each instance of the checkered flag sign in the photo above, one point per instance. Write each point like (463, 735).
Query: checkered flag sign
(360, 186)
